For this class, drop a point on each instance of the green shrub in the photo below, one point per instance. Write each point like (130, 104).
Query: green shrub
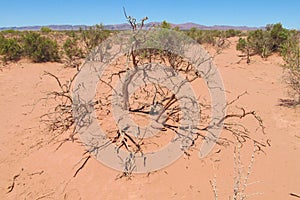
(10, 32)
(276, 39)
(93, 36)
(165, 24)
(71, 49)
(45, 29)
(290, 52)
(260, 43)
(204, 36)
(10, 49)
(232, 33)
(176, 28)
(278, 36)
(266, 42)
(40, 49)
(211, 36)
(193, 32)
(71, 33)
(241, 45)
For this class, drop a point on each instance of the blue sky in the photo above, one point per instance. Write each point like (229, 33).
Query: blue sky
(209, 12)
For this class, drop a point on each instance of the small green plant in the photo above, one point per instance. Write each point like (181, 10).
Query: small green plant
(244, 47)
(266, 42)
(10, 32)
(45, 29)
(39, 48)
(71, 33)
(165, 24)
(72, 52)
(202, 36)
(278, 36)
(92, 36)
(260, 43)
(290, 52)
(209, 37)
(10, 49)
(71, 49)
(213, 37)
(241, 45)
(232, 33)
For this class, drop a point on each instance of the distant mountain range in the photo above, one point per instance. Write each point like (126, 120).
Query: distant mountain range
(184, 26)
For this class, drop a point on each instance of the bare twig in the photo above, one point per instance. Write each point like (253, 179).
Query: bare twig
(295, 195)
(45, 195)
(11, 187)
(83, 164)
(36, 173)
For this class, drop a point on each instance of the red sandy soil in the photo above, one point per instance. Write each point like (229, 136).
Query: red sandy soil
(39, 171)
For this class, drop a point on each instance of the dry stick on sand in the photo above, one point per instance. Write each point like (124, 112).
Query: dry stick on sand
(36, 173)
(11, 187)
(83, 164)
(295, 195)
(44, 195)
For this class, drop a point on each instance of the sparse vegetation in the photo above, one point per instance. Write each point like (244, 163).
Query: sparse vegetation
(10, 32)
(276, 39)
(39, 48)
(92, 36)
(203, 36)
(73, 52)
(290, 52)
(10, 49)
(264, 42)
(232, 33)
(212, 37)
(244, 47)
(45, 29)
(165, 24)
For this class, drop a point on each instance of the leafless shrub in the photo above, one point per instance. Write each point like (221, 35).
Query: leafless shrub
(60, 118)
(154, 100)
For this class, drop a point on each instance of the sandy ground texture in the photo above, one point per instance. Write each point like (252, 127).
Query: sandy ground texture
(31, 166)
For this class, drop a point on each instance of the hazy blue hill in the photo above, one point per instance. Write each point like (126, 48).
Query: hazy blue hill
(124, 26)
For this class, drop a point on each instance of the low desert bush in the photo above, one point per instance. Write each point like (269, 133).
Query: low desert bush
(72, 51)
(265, 42)
(232, 33)
(71, 48)
(39, 48)
(10, 32)
(290, 52)
(10, 49)
(211, 36)
(276, 39)
(45, 29)
(203, 36)
(92, 36)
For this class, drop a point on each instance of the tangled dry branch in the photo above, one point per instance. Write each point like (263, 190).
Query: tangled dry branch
(152, 101)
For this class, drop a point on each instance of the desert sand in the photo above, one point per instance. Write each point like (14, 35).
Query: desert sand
(30, 163)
